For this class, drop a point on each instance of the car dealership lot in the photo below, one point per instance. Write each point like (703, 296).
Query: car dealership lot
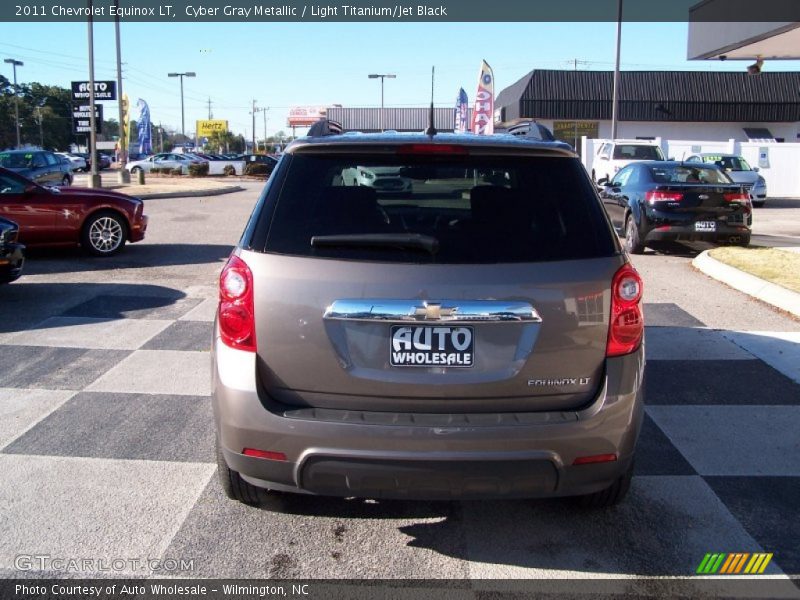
(106, 435)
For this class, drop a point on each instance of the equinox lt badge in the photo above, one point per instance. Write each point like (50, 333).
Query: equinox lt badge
(559, 382)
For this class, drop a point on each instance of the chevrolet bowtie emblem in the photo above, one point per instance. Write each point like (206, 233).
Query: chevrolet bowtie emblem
(432, 311)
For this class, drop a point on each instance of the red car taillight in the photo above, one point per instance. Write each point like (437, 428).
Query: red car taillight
(737, 197)
(626, 328)
(236, 316)
(654, 196)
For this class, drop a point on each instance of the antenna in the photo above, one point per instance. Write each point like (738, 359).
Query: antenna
(431, 130)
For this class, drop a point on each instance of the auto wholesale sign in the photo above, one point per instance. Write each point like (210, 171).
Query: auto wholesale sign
(103, 90)
(210, 126)
(305, 116)
(82, 119)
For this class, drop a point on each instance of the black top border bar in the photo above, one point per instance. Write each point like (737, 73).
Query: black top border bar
(432, 11)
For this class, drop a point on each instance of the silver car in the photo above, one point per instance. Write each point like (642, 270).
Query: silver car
(480, 336)
(164, 161)
(739, 171)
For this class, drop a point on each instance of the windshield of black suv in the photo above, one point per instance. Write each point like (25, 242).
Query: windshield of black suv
(15, 160)
(449, 210)
(637, 152)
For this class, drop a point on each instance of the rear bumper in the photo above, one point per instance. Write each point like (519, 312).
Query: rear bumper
(486, 456)
(686, 233)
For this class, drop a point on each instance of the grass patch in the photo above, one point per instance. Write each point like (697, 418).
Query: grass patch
(776, 266)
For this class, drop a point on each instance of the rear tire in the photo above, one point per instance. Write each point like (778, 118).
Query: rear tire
(232, 483)
(744, 242)
(612, 495)
(758, 203)
(66, 181)
(632, 242)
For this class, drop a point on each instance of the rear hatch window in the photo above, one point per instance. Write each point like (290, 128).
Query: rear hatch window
(442, 209)
(637, 152)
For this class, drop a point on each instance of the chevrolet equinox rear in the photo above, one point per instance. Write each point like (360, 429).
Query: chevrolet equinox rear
(478, 334)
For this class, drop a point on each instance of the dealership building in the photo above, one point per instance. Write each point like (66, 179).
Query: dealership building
(657, 104)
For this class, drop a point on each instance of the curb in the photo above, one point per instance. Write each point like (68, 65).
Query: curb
(190, 193)
(751, 285)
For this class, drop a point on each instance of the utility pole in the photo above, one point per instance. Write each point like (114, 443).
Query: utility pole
(210, 114)
(123, 175)
(615, 98)
(264, 111)
(94, 178)
(575, 63)
(39, 121)
(16, 63)
(254, 125)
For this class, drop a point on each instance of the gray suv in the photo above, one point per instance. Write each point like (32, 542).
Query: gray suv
(479, 335)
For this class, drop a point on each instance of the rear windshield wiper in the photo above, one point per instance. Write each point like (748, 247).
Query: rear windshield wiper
(415, 241)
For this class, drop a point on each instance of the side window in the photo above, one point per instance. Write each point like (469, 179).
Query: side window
(38, 161)
(51, 159)
(621, 178)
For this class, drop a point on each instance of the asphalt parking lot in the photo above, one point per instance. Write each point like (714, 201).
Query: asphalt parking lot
(106, 435)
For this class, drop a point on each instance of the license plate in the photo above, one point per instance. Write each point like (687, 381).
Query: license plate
(431, 346)
(705, 226)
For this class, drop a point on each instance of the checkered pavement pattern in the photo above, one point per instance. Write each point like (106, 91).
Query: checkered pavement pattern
(106, 450)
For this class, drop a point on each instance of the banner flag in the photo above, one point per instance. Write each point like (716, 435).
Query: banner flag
(461, 112)
(483, 111)
(143, 128)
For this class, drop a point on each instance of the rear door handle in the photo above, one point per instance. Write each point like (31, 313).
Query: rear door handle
(441, 311)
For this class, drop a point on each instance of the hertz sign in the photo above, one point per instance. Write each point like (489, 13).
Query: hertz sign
(209, 127)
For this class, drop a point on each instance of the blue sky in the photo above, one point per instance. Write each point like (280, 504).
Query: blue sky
(282, 65)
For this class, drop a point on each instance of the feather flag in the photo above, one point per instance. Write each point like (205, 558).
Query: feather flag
(483, 111)
(460, 113)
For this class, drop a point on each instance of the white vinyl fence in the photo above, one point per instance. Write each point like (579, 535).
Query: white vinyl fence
(778, 163)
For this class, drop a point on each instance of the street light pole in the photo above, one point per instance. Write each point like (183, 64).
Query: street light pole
(382, 76)
(182, 75)
(16, 63)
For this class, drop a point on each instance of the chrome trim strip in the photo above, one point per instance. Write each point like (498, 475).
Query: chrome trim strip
(423, 311)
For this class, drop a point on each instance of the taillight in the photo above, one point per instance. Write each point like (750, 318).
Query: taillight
(654, 196)
(236, 315)
(737, 197)
(626, 328)
(432, 149)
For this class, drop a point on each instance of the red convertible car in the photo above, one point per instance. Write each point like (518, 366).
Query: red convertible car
(101, 221)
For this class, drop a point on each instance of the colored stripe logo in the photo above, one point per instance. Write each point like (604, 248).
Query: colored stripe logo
(734, 563)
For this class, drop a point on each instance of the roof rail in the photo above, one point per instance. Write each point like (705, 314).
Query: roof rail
(532, 130)
(325, 127)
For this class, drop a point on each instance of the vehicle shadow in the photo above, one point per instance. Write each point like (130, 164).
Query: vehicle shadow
(24, 304)
(778, 204)
(42, 261)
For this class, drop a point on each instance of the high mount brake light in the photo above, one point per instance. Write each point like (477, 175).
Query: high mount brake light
(626, 329)
(236, 314)
(654, 196)
(451, 149)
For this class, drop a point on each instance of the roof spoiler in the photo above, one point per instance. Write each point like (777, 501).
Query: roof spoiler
(325, 127)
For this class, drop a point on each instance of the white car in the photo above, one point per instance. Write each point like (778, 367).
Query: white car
(384, 179)
(76, 163)
(163, 161)
(613, 155)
